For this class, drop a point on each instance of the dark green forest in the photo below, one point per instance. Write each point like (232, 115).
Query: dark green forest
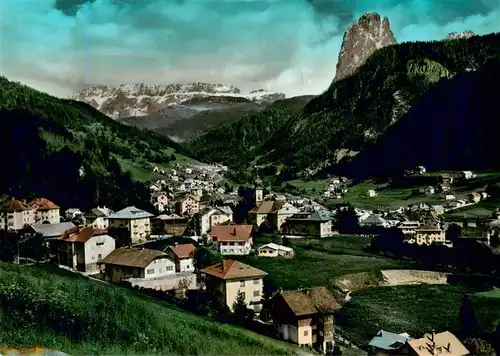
(352, 113)
(63, 150)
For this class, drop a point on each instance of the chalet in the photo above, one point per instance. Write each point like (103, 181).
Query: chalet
(16, 215)
(46, 211)
(449, 197)
(212, 216)
(371, 193)
(135, 221)
(159, 199)
(275, 250)
(272, 213)
(228, 278)
(388, 343)
(466, 175)
(188, 205)
(429, 190)
(183, 255)
(420, 170)
(314, 224)
(142, 263)
(474, 197)
(374, 220)
(81, 249)
(232, 239)
(172, 224)
(409, 227)
(305, 317)
(430, 231)
(443, 187)
(442, 344)
(97, 217)
(445, 179)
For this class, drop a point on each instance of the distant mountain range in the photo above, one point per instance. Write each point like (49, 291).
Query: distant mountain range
(193, 107)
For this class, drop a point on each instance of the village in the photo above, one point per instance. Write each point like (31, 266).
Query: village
(192, 242)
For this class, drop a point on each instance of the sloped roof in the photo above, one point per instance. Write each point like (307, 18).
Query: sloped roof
(53, 230)
(130, 213)
(132, 257)
(14, 205)
(386, 340)
(276, 247)
(239, 233)
(172, 216)
(374, 219)
(95, 212)
(318, 215)
(81, 235)
(310, 301)
(43, 204)
(231, 269)
(263, 208)
(445, 344)
(176, 229)
(183, 251)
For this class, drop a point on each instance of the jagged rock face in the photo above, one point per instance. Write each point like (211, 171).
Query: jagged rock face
(361, 39)
(143, 99)
(462, 35)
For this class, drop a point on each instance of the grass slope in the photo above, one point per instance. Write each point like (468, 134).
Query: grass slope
(319, 262)
(60, 310)
(415, 309)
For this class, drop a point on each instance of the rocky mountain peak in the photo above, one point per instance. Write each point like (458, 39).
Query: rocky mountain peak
(460, 35)
(361, 39)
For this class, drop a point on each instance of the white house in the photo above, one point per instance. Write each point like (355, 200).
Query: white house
(467, 175)
(15, 215)
(371, 193)
(212, 216)
(97, 217)
(449, 197)
(72, 213)
(429, 190)
(138, 263)
(46, 211)
(183, 256)
(232, 239)
(135, 220)
(420, 169)
(81, 249)
(188, 171)
(275, 250)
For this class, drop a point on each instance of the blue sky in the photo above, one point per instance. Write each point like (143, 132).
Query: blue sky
(292, 46)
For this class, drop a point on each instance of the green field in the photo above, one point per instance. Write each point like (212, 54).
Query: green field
(415, 309)
(486, 306)
(483, 209)
(319, 262)
(312, 187)
(60, 310)
(142, 174)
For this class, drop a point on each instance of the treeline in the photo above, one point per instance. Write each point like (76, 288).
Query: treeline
(63, 150)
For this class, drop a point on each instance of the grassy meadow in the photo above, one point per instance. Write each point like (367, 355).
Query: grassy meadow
(57, 309)
(415, 309)
(320, 262)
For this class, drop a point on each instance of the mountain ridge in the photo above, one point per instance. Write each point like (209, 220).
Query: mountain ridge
(127, 100)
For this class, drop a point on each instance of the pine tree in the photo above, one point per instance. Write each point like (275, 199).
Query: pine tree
(240, 310)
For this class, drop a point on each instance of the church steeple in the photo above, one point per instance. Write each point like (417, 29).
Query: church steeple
(258, 190)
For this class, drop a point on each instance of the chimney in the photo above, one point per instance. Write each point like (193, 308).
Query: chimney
(234, 231)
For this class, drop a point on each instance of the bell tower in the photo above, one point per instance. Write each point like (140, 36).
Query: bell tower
(258, 191)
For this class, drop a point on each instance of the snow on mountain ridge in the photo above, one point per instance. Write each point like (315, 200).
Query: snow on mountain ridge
(143, 99)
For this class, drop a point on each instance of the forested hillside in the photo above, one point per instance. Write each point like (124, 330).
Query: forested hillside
(64, 150)
(453, 127)
(352, 113)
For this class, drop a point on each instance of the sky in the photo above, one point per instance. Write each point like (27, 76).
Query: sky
(291, 46)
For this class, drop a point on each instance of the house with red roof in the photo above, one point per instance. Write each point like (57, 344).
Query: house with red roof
(82, 248)
(16, 215)
(183, 255)
(232, 239)
(46, 211)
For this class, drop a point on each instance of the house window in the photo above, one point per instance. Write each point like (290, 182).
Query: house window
(99, 243)
(243, 294)
(257, 307)
(256, 293)
(99, 256)
(150, 271)
(256, 281)
(242, 283)
(306, 332)
(169, 268)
